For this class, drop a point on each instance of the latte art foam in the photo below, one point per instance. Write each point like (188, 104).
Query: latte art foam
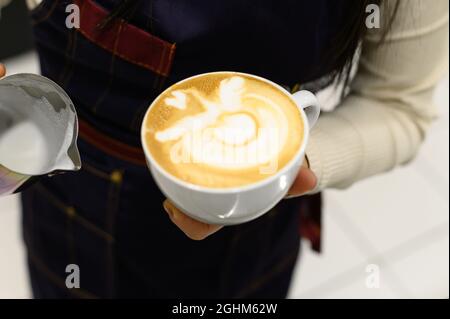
(223, 130)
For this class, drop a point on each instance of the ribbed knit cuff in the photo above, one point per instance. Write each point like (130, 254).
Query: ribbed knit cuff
(334, 152)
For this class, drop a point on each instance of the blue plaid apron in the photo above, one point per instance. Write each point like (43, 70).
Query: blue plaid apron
(108, 218)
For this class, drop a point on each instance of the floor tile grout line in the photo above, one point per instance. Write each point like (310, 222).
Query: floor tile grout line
(394, 254)
(431, 176)
(365, 246)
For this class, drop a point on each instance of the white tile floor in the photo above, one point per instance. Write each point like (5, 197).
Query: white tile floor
(397, 221)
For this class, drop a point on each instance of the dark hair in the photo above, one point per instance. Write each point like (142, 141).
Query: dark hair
(342, 50)
(341, 53)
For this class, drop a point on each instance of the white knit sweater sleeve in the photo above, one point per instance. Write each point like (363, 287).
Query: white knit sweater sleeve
(383, 121)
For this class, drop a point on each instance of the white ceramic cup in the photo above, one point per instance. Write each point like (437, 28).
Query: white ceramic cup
(228, 206)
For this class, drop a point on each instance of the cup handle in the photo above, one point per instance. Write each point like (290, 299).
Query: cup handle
(308, 103)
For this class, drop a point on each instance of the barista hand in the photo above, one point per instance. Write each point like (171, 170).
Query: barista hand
(2, 70)
(196, 230)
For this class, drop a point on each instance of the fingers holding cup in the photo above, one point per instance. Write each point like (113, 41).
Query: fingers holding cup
(2, 70)
(194, 229)
(303, 183)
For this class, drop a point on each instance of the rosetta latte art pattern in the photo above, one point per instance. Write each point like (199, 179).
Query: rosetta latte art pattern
(212, 131)
(238, 129)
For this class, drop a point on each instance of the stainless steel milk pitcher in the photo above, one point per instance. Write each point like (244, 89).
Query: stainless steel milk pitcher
(38, 131)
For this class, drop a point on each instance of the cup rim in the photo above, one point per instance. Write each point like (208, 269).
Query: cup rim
(229, 190)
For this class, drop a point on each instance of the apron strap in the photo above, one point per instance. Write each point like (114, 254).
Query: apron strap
(109, 145)
(133, 44)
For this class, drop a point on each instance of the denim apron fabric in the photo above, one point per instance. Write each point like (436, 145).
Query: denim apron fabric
(108, 218)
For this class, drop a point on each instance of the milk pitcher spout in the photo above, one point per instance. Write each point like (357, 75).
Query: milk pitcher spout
(38, 131)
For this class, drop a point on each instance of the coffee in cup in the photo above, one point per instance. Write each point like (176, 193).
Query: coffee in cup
(225, 147)
(223, 130)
